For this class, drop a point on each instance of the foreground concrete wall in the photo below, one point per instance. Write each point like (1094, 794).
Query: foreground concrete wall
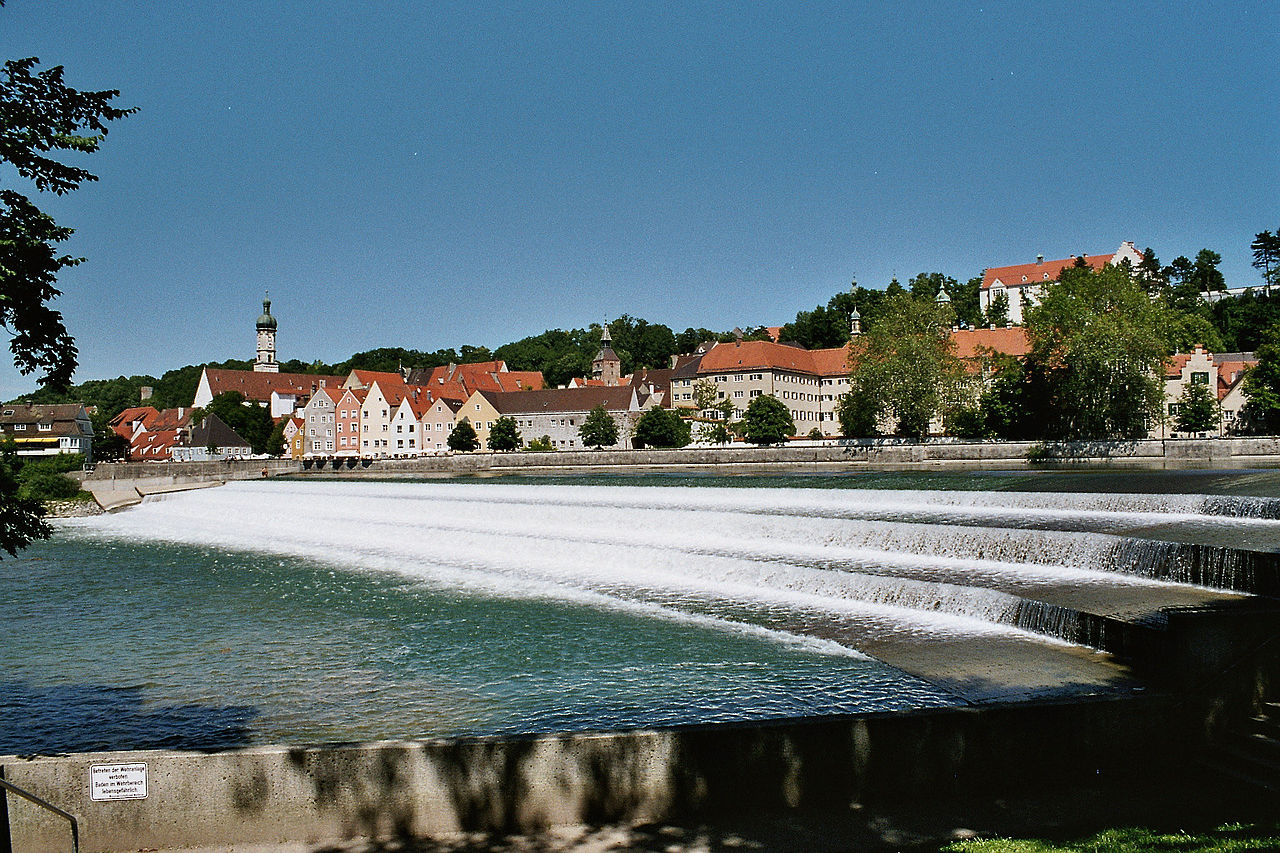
(325, 794)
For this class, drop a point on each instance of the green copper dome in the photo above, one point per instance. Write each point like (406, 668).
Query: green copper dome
(266, 321)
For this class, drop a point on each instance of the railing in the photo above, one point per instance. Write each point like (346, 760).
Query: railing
(75, 827)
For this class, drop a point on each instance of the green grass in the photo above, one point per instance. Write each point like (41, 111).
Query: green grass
(1231, 837)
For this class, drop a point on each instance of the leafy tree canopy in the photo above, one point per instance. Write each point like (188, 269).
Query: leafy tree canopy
(767, 421)
(503, 435)
(903, 366)
(1099, 343)
(660, 427)
(1197, 409)
(599, 429)
(463, 438)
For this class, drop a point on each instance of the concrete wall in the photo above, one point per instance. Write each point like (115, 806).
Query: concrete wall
(325, 794)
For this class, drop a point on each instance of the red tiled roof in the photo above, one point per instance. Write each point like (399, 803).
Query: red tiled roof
(1020, 274)
(971, 343)
(747, 355)
(613, 397)
(259, 386)
(143, 414)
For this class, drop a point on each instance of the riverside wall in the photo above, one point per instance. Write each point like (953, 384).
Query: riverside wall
(851, 455)
(327, 794)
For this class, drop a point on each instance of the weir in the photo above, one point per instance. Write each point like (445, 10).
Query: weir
(1051, 618)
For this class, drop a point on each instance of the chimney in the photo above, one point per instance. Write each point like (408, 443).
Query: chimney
(145, 392)
(1039, 260)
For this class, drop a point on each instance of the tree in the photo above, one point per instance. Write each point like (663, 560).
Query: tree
(504, 435)
(1266, 256)
(704, 394)
(275, 445)
(599, 429)
(767, 421)
(660, 427)
(998, 311)
(713, 432)
(1261, 414)
(250, 421)
(1197, 409)
(462, 438)
(904, 367)
(859, 414)
(39, 114)
(1098, 346)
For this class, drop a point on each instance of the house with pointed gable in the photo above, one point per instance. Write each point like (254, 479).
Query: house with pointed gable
(438, 419)
(319, 417)
(1022, 284)
(1222, 374)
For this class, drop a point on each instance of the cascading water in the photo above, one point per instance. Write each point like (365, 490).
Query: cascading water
(973, 592)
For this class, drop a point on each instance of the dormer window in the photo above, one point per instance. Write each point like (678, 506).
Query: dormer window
(44, 427)
(19, 427)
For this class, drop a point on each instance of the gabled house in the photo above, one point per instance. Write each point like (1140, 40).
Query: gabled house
(295, 437)
(48, 430)
(347, 422)
(319, 417)
(210, 440)
(382, 397)
(1222, 374)
(438, 418)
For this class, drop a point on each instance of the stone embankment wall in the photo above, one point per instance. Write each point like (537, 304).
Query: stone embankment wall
(118, 485)
(122, 484)
(323, 795)
(886, 454)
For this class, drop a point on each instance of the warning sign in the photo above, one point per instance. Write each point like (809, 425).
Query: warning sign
(118, 782)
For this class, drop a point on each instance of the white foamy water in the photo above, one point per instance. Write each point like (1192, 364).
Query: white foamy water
(901, 565)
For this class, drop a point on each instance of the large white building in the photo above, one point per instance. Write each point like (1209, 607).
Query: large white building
(1022, 284)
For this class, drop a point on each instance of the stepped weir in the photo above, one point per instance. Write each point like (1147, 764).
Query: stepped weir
(1101, 632)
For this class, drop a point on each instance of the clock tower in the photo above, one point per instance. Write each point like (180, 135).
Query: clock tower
(266, 361)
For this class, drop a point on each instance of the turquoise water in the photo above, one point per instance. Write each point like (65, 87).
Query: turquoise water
(123, 645)
(305, 611)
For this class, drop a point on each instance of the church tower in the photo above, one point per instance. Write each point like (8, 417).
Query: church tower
(266, 361)
(607, 367)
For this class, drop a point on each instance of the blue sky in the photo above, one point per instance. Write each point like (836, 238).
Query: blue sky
(436, 174)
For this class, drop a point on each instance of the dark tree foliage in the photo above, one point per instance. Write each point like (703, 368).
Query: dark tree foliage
(21, 518)
(599, 429)
(463, 438)
(1261, 414)
(1098, 343)
(40, 114)
(1266, 256)
(560, 355)
(1197, 409)
(689, 340)
(661, 428)
(767, 421)
(251, 422)
(504, 436)
(1242, 321)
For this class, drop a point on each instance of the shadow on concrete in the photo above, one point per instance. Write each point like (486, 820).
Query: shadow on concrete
(54, 719)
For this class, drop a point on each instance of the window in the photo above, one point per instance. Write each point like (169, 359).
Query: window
(19, 427)
(384, 427)
(1173, 408)
(756, 393)
(1200, 378)
(399, 427)
(737, 393)
(737, 377)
